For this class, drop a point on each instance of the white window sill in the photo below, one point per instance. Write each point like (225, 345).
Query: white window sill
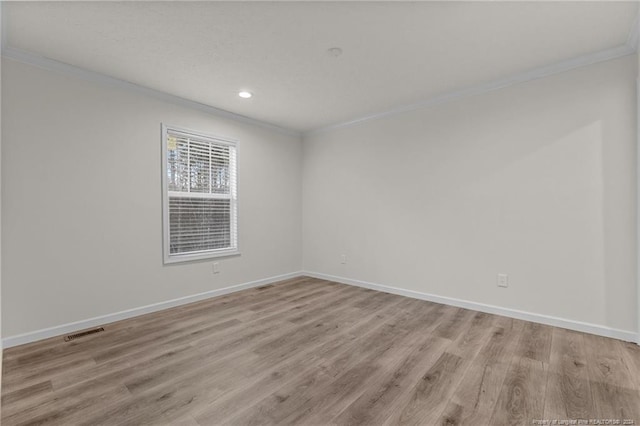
(213, 254)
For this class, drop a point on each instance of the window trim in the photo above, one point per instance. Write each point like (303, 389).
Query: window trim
(204, 254)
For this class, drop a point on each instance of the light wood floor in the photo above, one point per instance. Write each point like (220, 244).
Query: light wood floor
(313, 352)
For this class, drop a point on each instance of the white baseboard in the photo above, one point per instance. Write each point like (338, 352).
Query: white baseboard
(596, 329)
(71, 327)
(46, 333)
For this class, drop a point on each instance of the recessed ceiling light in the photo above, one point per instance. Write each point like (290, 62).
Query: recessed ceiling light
(334, 51)
(244, 94)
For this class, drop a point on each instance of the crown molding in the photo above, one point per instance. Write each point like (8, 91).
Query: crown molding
(24, 56)
(96, 77)
(630, 47)
(533, 74)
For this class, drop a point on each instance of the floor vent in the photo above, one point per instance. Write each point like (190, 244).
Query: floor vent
(264, 287)
(71, 337)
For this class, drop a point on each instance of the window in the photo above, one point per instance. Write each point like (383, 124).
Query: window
(200, 199)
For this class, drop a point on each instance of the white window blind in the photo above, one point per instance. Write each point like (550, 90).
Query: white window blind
(200, 196)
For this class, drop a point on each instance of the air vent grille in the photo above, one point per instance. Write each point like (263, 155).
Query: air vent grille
(71, 337)
(264, 287)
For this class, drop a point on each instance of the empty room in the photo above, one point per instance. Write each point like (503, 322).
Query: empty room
(319, 213)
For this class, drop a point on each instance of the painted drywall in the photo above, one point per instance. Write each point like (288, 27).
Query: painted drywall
(81, 201)
(638, 193)
(1, 351)
(536, 181)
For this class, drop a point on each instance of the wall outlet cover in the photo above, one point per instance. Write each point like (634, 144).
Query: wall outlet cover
(503, 280)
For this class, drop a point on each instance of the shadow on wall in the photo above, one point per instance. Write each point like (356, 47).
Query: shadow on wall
(429, 205)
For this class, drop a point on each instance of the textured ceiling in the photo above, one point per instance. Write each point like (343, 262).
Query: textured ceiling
(395, 53)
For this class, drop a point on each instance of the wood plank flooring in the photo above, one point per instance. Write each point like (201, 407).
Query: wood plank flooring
(313, 352)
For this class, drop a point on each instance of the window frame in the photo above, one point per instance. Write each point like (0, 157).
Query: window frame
(233, 196)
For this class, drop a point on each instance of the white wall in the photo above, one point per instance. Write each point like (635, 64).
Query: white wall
(536, 181)
(1, 352)
(81, 201)
(638, 196)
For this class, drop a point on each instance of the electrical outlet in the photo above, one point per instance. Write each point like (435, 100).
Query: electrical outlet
(503, 280)
(343, 259)
(216, 268)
